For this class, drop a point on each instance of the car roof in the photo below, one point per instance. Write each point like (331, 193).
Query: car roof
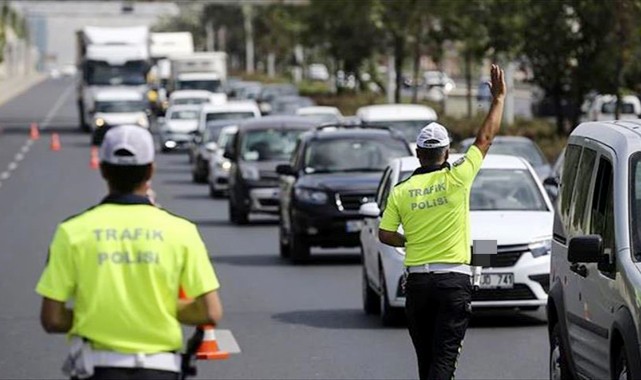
(394, 112)
(470, 140)
(318, 110)
(330, 132)
(189, 94)
(623, 136)
(118, 94)
(232, 105)
(284, 121)
(496, 161)
(184, 107)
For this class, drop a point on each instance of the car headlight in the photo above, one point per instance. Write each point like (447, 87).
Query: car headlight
(310, 196)
(225, 165)
(99, 122)
(249, 172)
(541, 248)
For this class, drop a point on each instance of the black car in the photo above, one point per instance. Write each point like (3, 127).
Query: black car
(332, 173)
(204, 145)
(259, 146)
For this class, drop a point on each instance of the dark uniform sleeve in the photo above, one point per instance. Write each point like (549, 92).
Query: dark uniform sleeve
(198, 276)
(58, 280)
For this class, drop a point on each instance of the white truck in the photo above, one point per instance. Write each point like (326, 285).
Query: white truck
(106, 57)
(164, 47)
(199, 71)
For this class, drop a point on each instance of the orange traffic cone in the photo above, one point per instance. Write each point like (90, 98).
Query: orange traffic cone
(34, 133)
(55, 142)
(94, 161)
(209, 349)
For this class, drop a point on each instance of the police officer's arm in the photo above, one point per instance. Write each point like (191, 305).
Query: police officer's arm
(388, 228)
(492, 122)
(205, 309)
(55, 317)
(395, 239)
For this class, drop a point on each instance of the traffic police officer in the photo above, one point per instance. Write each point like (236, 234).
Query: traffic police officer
(433, 208)
(122, 263)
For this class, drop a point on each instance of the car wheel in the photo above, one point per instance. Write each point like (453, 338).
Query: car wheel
(622, 370)
(216, 194)
(283, 242)
(236, 215)
(559, 366)
(298, 247)
(390, 316)
(370, 298)
(197, 172)
(529, 308)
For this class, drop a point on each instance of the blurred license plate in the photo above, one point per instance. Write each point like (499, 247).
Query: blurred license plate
(353, 225)
(497, 281)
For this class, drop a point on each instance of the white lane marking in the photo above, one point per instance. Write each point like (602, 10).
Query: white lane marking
(13, 165)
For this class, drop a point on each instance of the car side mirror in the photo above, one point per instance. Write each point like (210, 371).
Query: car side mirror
(586, 249)
(551, 181)
(285, 169)
(370, 210)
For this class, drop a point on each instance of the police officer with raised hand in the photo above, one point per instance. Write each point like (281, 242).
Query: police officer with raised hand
(122, 262)
(433, 208)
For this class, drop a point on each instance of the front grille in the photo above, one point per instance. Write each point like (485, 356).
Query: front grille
(519, 292)
(507, 256)
(352, 202)
(268, 202)
(221, 180)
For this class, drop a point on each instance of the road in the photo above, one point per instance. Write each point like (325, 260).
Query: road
(290, 321)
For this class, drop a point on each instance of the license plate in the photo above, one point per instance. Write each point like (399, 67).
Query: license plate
(497, 281)
(353, 225)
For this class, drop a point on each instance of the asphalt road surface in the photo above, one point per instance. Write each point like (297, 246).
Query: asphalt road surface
(290, 321)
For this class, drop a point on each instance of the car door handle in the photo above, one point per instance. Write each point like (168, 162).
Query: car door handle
(579, 269)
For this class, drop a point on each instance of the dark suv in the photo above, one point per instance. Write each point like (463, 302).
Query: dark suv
(332, 173)
(259, 146)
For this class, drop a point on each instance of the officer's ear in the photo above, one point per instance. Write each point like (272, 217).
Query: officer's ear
(151, 170)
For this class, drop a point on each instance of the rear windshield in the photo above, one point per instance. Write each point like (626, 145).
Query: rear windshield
(195, 101)
(352, 154)
(229, 115)
(120, 106)
(269, 145)
(409, 128)
(184, 115)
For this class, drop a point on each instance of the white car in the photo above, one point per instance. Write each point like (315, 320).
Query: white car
(196, 97)
(324, 114)
(233, 109)
(602, 108)
(406, 118)
(119, 106)
(508, 204)
(218, 165)
(178, 126)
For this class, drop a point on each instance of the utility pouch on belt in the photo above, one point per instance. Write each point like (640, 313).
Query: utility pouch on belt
(79, 362)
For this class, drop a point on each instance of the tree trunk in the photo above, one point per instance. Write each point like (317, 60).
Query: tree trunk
(417, 64)
(399, 56)
(468, 82)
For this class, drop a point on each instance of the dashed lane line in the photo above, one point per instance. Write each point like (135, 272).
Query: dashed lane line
(13, 165)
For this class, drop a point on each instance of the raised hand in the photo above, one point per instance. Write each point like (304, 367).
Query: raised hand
(497, 82)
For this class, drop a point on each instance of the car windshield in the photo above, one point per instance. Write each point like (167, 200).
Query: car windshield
(188, 101)
(100, 73)
(352, 154)
(184, 115)
(502, 190)
(225, 136)
(269, 144)
(208, 85)
(120, 106)
(610, 107)
(229, 115)
(409, 128)
(523, 149)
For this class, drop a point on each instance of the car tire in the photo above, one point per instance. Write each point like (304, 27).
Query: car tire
(529, 308)
(298, 248)
(390, 316)
(370, 297)
(559, 365)
(236, 215)
(283, 243)
(622, 368)
(216, 194)
(197, 174)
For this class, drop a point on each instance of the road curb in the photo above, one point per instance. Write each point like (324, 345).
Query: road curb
(11, 88)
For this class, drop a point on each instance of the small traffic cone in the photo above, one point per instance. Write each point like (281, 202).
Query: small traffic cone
(55, 142)
(94, 161)
(209, 349)
(34, 133)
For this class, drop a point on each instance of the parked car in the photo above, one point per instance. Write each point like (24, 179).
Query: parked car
(602, 108)
(407, 118)
(333, 171)
(505, 197)
(317, 71)
(517, 146)
(177, 127)
(270, 92)
(324, 114)
(288, 105)
(219, 166)
(594, 304)
(205, 146)
(258, 147)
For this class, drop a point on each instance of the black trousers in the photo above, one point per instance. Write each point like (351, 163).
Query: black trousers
(113, 373)
(438, 308)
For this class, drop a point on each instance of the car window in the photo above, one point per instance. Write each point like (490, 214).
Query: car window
(568, 175)
(602, 215)
(120, 106)
(190, 101)
(381, 188)
(610, 107)
(184, 115)
(526, 150)
(635, 204)
(408, 128)
(490, 193)
(578, 224)
(229, 115)
(269, 144)
(352, 154)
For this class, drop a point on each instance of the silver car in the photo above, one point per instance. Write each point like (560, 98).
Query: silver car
(219, 165)
(594, 303)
